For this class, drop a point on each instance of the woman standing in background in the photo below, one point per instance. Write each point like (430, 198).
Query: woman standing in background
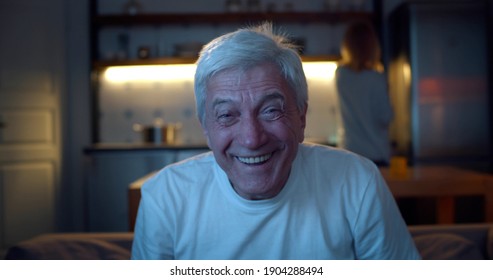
(363, 96)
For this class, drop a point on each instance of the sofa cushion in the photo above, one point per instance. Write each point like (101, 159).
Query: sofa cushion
(446, 246)
(74, 246)
(489, 244)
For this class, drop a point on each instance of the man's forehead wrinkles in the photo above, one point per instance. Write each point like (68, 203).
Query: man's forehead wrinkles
(220, 100)
(261, 99)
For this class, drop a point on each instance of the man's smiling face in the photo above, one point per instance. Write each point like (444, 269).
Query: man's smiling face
(253, 127)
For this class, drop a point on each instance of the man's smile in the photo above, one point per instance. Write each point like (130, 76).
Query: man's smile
(255, 159)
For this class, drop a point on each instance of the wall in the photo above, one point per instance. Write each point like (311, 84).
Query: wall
(76, 115)
(32, 85)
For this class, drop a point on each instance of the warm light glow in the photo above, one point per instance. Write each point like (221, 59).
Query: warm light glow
(160, 73)
(150, 73)
(321, 70)
(406, 72)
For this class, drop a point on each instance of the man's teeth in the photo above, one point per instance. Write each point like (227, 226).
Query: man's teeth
(253, 160)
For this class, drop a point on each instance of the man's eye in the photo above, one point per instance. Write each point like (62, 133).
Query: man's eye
(272, 113)
(225, 118)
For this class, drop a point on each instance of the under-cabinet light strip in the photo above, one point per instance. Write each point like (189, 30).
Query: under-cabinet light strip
(149, 73)
(162, 73)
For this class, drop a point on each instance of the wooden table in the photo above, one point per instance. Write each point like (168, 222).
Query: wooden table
(444, 183)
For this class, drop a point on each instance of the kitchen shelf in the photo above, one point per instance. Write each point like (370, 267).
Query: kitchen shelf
(115, 20)
(186, 60)
(221, 18)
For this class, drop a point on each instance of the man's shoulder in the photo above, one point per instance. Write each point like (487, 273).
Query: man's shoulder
(195, 165)
(326, 153)
(201, 160)
(334, 160)
(184, 172)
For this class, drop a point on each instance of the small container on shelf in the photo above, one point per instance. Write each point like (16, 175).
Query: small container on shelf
(332, 5)
(144, 52)
(288, 7)
(132, 7)
(358, 5)
(254, 6)
(234, 6)
(188, 49)
(123, 43)
(271, 7)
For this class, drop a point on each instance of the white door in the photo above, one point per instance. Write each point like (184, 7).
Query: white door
(31, 81)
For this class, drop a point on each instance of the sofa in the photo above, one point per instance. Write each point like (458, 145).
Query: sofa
(454, 242)
(434, 242)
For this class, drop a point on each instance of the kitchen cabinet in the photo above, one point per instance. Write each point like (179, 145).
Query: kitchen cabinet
(154, 21)
(112, 168)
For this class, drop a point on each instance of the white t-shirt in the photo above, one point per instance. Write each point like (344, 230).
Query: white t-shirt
(335, 205)
(365, 111)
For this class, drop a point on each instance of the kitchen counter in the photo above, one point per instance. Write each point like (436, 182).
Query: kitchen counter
(444, 183)
(128, 147)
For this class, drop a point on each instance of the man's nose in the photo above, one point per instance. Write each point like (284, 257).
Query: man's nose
(252, 132)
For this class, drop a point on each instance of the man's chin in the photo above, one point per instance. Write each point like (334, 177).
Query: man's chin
(253, 191)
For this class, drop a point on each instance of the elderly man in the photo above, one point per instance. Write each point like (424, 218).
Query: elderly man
(261, 193)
